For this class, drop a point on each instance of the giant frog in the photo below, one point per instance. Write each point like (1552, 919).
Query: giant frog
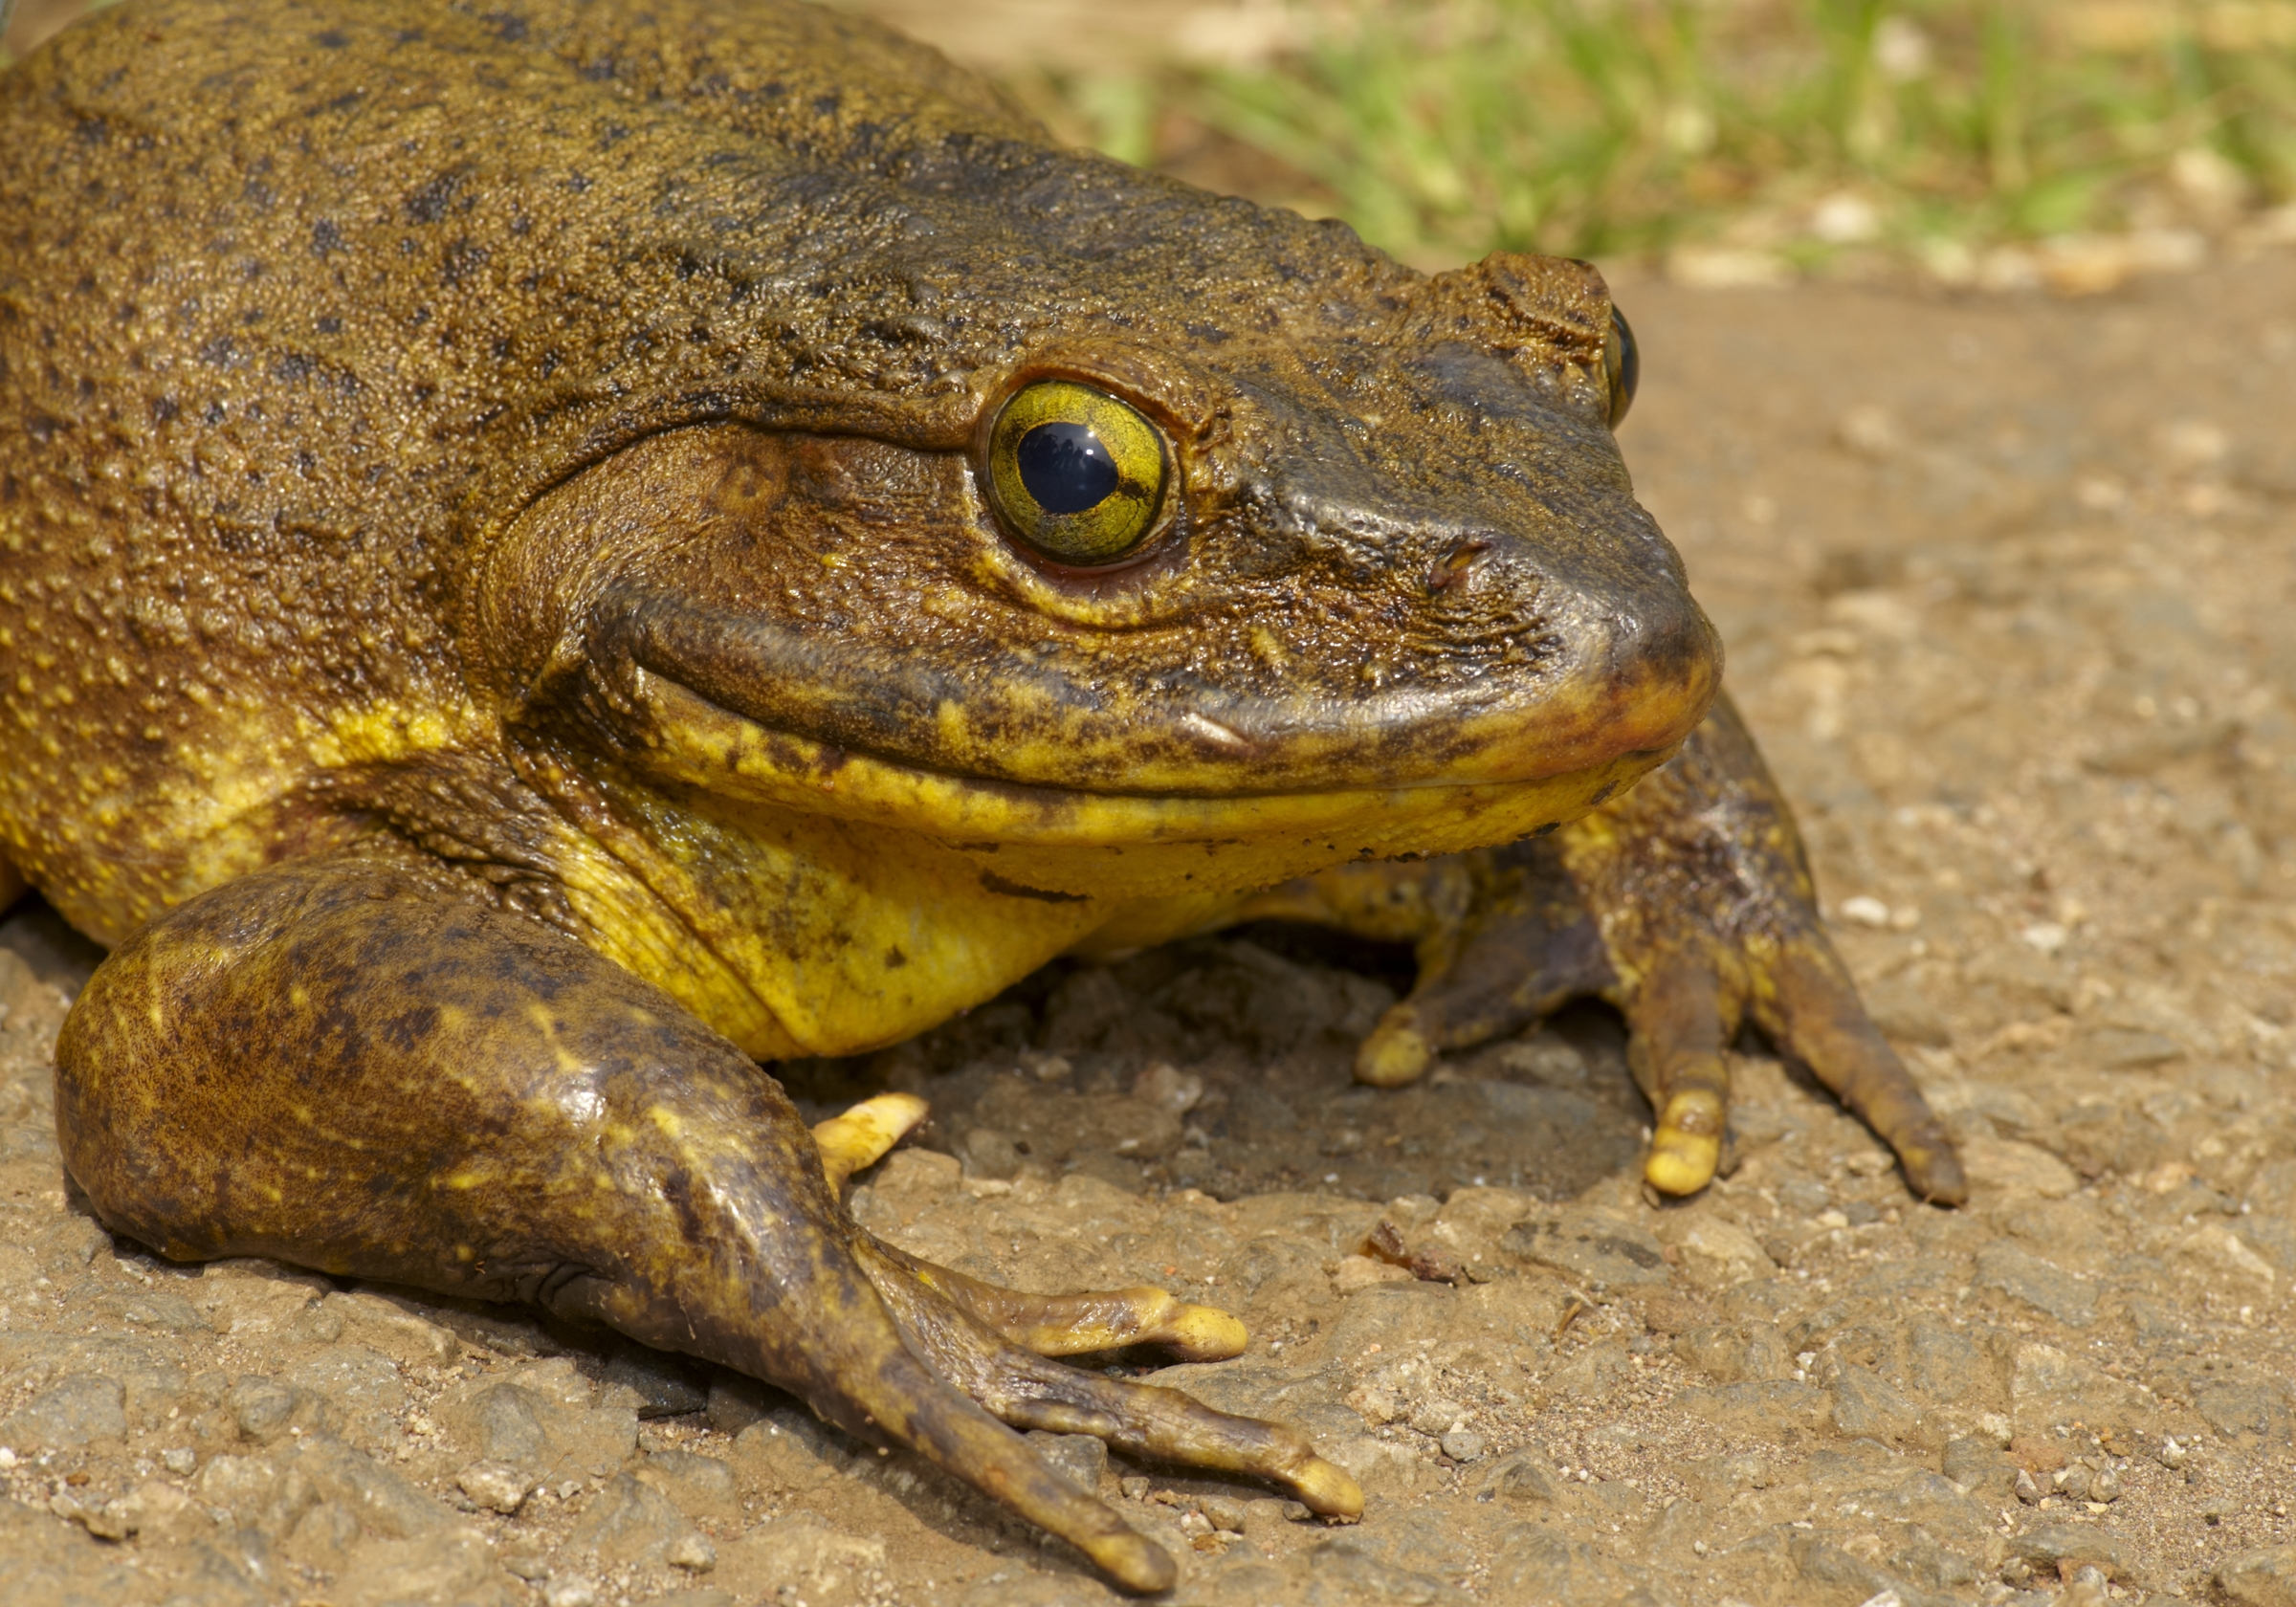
(553, 551)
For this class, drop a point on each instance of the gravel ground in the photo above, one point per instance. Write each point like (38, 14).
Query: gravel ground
(2007, 585)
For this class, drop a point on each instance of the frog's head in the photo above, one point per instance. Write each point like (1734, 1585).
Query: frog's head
(1362, 580)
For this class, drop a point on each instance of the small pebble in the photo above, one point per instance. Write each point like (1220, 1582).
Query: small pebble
(1269, 1516)
(179, 1460)
(260, 1407)
(494, 1486)
(692, 1553)
(1134, 1485)
(1044, 1067)
(989, 1153)
(1462, 1445)
(2027, 1490)
(2074, 1482)
(571, 1592)
(1225, 1513)
(2105, 1486)
(1166, 1085)
(1435, 1415)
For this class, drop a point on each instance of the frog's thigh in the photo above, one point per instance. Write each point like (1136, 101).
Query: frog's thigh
(348, 1066)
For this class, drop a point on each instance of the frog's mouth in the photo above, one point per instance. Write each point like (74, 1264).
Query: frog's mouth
(1041, 782)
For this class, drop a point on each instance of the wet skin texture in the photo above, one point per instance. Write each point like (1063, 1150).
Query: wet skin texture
(501, 630)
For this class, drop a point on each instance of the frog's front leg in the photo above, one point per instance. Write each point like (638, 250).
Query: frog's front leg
(1687, 902)
(352, 1065)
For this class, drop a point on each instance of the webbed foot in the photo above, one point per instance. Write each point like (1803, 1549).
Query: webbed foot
(353, 1066)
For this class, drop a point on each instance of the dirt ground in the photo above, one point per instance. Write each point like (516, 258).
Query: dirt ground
(2008, 586)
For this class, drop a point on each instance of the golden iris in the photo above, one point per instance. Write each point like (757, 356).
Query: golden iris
(1075, 473)
(1621, 365)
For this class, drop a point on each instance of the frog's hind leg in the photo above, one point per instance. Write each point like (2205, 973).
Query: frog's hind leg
(356, 1064)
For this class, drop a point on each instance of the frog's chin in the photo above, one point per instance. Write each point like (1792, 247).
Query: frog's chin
(1077, 846)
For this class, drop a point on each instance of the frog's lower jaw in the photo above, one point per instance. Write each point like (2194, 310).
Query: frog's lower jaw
(1062, 845)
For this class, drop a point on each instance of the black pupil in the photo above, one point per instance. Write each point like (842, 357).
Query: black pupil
(1065, 468)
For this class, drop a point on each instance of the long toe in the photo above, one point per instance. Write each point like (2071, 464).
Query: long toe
(1029, 1391)
(1811, 1009)
(1061, 1324)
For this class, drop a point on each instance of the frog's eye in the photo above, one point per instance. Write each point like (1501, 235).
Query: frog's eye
(1621, 365)
(1075, 473)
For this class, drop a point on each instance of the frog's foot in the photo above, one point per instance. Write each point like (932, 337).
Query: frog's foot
(1520, 946)
(941, 1315)
(1700, 888)
(353, 1065)
(1050, 1325)
(1688, 903)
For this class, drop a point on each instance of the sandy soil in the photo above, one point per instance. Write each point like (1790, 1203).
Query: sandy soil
(2007, 585)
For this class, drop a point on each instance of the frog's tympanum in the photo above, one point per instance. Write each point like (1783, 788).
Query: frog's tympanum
(552, 551)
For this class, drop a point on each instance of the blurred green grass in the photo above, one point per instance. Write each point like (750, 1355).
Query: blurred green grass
(1780, 135)
(1817, 130)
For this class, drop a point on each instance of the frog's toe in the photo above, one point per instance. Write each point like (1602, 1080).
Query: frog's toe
(1808, 1005)
(1680, 1020)
(1031, 1391)
(1397, 1051)
(1062, 1325)
(858, 1139)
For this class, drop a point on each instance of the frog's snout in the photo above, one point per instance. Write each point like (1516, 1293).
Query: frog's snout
(1615, 657)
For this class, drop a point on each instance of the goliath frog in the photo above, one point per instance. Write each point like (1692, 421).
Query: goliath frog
(553, 551)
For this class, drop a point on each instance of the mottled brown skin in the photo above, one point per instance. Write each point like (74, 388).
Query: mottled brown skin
(500, 631)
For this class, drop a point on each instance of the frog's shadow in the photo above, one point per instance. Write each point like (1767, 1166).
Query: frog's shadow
(1258, 1027)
